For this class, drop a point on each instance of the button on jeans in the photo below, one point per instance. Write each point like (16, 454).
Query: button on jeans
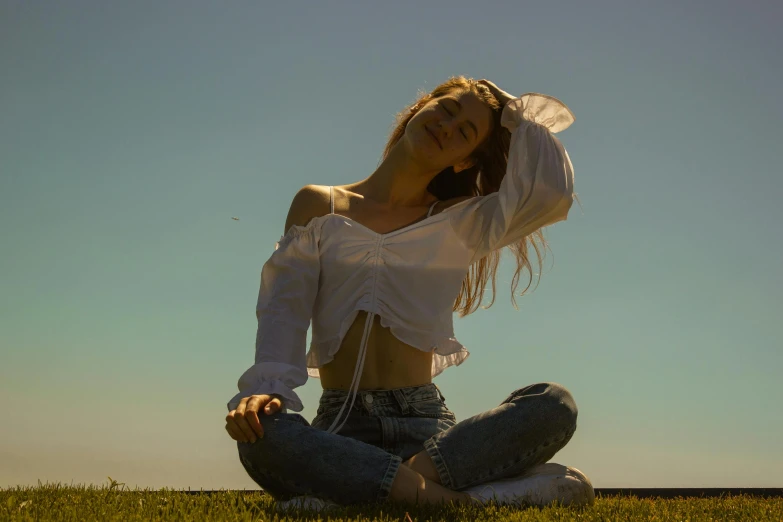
(387, 427)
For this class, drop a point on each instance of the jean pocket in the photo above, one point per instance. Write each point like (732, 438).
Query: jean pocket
(322, 421)
(432, 408)
(328, 410)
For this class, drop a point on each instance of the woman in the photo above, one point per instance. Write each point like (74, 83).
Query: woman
(379, 266)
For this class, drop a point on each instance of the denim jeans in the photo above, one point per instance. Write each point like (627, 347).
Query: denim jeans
(386, 427)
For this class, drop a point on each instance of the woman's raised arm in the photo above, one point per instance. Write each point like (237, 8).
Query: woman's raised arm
(537, 189)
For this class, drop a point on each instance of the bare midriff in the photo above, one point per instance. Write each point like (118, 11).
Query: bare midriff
(389, 363)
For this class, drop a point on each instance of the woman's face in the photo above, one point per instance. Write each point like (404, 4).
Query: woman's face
(447, 129)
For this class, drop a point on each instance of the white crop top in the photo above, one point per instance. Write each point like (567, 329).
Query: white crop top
(330, 269)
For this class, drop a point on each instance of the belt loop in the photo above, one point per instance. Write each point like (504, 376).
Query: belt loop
(401, 401)
(442, 398)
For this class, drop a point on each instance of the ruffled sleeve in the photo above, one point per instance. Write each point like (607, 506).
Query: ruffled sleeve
(537, 189)
(289, 284)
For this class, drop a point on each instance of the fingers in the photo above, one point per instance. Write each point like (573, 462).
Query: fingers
(234, 432)
(496, 91)
(243, 424)
(492, 87)
(251, 415)
(237, 424)
(248, 420)
(273, 406)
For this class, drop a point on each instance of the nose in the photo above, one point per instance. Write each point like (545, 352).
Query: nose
(447, 128)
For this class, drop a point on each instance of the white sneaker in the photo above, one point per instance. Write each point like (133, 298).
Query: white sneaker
(539, 486)
(306, 502)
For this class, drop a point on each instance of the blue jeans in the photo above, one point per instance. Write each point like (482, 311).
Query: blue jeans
(386, 427)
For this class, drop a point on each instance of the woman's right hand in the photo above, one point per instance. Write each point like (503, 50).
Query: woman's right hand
(502, 96)
(242, 424)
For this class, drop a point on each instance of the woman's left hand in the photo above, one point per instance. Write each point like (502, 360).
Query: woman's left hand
(502, 96)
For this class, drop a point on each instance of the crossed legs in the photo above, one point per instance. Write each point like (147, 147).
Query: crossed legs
(529, 427)
(423, 465)
(418, 480)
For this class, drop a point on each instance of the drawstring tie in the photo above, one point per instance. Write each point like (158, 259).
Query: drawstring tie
(357, 372)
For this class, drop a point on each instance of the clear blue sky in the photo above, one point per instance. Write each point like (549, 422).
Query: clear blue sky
(131, 133)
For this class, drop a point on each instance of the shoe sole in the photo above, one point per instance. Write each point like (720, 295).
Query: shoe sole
(305, 502)
(543, 485)
(568, 485)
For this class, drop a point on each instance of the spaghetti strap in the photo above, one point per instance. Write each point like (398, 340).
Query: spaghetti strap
(331, 200)
(432, 207)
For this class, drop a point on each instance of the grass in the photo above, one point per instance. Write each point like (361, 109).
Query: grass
(115, 502)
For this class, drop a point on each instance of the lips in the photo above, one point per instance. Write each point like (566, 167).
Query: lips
(432, 135)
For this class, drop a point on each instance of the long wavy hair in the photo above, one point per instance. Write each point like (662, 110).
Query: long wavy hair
(484, 177)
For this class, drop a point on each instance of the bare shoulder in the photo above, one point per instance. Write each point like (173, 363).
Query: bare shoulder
(311, 201)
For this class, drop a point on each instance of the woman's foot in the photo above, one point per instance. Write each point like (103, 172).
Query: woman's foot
(411, 487)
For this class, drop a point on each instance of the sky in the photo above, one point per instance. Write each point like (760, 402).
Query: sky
(132, 132)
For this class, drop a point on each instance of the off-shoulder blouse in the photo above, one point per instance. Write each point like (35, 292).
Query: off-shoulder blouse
(330, 269)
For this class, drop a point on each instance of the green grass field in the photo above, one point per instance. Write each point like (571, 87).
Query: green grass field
(115, 502)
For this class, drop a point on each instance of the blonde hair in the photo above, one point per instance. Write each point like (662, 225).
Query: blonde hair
(484, 177)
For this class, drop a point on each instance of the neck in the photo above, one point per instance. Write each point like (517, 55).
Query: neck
(399, 181)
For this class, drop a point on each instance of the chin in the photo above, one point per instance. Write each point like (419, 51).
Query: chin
(415, 149)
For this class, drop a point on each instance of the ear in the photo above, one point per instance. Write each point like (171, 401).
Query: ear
(464, 164)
